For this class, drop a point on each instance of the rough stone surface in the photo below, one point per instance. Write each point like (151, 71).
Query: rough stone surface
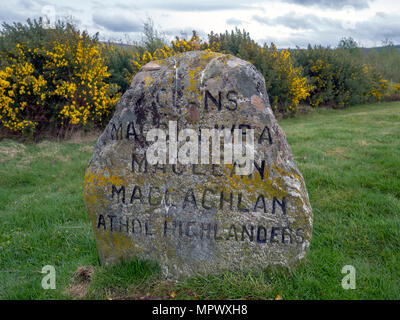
(197, 219)
(151, 66)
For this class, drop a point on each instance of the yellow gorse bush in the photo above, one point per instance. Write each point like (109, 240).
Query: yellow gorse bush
(380, 90)
(20, 87)
(339, 78)
(294, 87)
(85, 94)
(177, 46)
(60, 83)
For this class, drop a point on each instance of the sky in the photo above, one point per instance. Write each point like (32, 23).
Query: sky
(287, 23)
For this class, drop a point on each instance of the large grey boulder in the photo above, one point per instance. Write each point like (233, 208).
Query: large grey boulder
(197, 218)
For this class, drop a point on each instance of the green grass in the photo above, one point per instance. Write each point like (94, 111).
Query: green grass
(350, 160)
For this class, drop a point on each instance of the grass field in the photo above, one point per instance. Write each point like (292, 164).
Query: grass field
(350, 160)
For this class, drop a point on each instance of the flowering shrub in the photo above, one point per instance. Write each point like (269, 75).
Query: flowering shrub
(177, 46)
(379, 90)
(18, 87)
(56, 81)
(289, 86)
(338, 78)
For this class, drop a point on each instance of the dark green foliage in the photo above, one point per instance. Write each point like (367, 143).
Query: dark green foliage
(386, 60)
(152, 38)
(120, 66)
(338, 76)
(240, 44)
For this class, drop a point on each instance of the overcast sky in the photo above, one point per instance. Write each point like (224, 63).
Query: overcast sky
(287, 23)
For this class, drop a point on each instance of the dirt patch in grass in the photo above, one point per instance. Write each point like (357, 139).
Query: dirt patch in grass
(338, 151)
(47, 143)
(364, 143)
(86, 149)
(52, 149)
(81, 137)
(387, 123)
(80, 282)
(10, 151)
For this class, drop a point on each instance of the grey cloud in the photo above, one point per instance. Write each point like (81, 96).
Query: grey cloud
(183, 32)
(33, 9)
(20, 11)
(296, 22)
(117, 23)
(28, 5)
(380, 27)
(10, 16)
(212, 5)
(234, 22)
(334, 4)
(317, 30)
(191, 6)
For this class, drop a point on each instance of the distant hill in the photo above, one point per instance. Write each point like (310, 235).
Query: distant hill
(118, 44)
(378, 48)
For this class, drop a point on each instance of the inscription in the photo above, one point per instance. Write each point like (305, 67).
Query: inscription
(131, 132)
(139, 164)
(208, 199)
(230, 96)
(195, 230)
